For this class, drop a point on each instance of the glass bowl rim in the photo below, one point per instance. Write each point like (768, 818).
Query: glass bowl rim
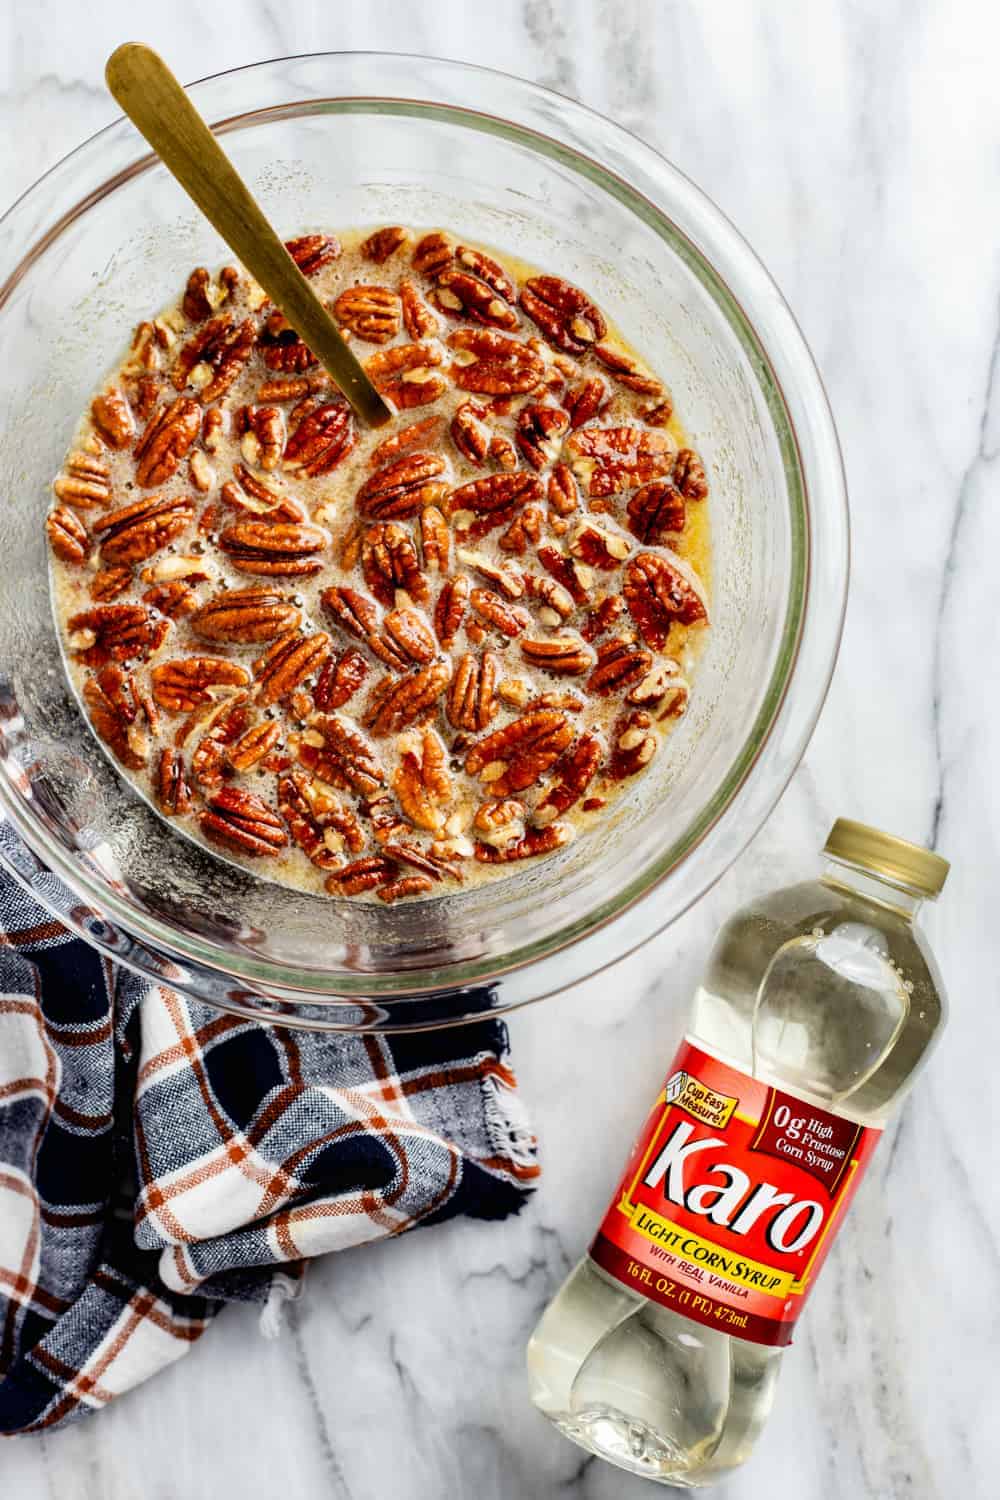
(314, 985)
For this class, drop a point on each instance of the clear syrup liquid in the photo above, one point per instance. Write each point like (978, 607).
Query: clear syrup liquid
(826, 990)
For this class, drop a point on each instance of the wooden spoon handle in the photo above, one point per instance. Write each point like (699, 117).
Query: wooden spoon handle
(159, 107)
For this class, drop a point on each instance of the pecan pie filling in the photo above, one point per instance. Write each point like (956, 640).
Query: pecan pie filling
(382, 662)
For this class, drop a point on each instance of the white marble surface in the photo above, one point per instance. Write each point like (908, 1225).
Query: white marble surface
(857, 146)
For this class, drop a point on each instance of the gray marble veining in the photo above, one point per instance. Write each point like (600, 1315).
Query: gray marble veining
(856, 146)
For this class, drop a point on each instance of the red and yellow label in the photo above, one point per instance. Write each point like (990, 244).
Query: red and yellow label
(731, 1199)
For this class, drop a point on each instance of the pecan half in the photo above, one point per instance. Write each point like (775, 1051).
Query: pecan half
(470, 433)
(342, 757)
(619, 665)
(407, 885)
(294, 387)
(181, 685)
(283, 349)
(463, 295)
(246, 616)
(85, 484)
(657, 414)
(200, 471)
(402, 488)
(263, 429)
(398, 702)
(689, 475)
(365, 875)
(433, 253)
(114, 709)
(628, 372)
(609, 459)
(561, 490)
(374, 313)
(349, 552)
(340, 680)
(495, 499)
(275, 548)
(540, 431)
(108, 583)
(220, 725)
(418, 320)
(583, 402)
(201, 298)
(422, 781)
(322, 439)
(173, 599)
(166, 440)
(603, 618)
(635, 744)
(493, 364)
(503, 453)
(253, 496)
(574, 576)
(112, 416)
(173, 793)
(504, 575)
(555, 602)
(659, 592)
(656, 511)
(663, 690)
(115, 632)
(383, 813)
(534, 841)
(353, 611)
(320, 823)
(189, 567)
(195, 304)
(516, 756)
(253, 745)
(571, 778)
(450, 609)
(242, 821)
(429, 862)
(509, 619)
(420, 433)
(143, 352)
(435, 542)
(406, 639)
(598, 547)
(501, 817)
(311, 252)
(212, 359)
(567, 702)
(471, 703)
(523, 531)
(68, 537)
(287, 664)
(407, 375)
(566, 316)
(566, 655)
(383, 243)
(134, 532)
(488, 270)
(389, 562)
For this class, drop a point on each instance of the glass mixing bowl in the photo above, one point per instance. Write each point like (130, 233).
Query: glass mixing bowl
(335, 140)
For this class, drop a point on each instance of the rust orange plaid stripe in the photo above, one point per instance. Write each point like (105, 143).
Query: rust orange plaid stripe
(158, 1160)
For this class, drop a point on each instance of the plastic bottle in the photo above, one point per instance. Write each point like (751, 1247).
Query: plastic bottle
(819, 1004)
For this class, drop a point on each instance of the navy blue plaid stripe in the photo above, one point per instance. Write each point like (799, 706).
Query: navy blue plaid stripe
(158, 1160)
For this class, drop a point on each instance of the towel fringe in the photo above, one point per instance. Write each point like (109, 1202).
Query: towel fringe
(507, 1123)
(283, 1289)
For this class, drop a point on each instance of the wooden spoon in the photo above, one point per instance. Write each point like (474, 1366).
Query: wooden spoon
(159, 107)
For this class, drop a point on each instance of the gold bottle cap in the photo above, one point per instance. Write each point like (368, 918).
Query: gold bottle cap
(893, 859)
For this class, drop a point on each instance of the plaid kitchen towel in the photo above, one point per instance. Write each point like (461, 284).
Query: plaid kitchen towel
(158, 1159)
